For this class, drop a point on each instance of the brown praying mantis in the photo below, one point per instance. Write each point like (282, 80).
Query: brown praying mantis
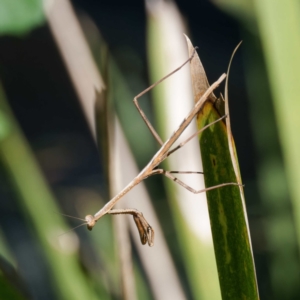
(146, 232)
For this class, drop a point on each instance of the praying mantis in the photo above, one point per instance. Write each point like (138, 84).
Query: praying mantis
(146, 232)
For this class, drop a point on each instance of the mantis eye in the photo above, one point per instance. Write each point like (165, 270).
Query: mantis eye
(90, 221)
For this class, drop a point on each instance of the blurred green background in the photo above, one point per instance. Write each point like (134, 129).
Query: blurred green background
(50, 163)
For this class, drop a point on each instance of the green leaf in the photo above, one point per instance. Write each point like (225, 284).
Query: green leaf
(38, 204)
(279, 29)
(17, 17)
(8, 291)
(226, 207)
(11, 283)
(4, 126)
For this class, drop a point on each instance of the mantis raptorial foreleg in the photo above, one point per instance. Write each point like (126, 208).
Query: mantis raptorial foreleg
(146, 232)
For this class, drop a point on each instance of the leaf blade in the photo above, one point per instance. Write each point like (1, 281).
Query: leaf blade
(226, 207)
(18, 17)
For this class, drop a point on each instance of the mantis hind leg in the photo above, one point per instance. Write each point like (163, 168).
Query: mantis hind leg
(135, 100)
